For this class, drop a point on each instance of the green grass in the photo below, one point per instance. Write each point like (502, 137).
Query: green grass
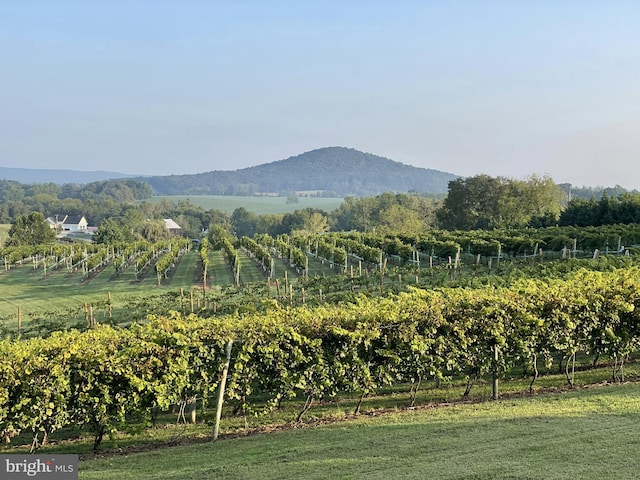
(62, 292)
(587, 434)
(184, 275)
(219, 270)
(249, 271)
(257, 205)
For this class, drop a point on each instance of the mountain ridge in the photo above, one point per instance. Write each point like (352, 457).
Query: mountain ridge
(335, 171)
(327, 171)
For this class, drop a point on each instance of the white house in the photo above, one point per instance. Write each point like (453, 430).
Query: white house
(68, 223)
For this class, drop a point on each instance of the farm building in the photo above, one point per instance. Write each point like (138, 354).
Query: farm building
(172, 226)
(68, 223)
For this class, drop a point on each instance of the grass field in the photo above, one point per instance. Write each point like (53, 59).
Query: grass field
(257, 205)
(587, 434)
(63, 294)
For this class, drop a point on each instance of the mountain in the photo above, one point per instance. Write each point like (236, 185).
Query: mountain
(60, 177)
(330, 171)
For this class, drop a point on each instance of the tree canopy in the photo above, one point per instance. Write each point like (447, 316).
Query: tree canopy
(30, 229)
(484, 202)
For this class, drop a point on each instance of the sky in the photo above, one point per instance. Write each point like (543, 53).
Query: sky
(159, 87)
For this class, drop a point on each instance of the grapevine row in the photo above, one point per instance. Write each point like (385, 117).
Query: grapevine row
(104, 376)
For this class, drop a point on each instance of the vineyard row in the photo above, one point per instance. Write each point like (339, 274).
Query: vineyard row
(104, 376)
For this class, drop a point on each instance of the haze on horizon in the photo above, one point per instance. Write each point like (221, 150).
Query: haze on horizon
(164, 87)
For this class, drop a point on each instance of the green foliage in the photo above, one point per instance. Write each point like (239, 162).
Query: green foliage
(110, 231)
(621, 209)
(30, 229)
(409, 214)
(486, 202)
(105, 376)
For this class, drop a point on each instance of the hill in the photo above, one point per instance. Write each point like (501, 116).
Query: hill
(60, 177)
(331, 171)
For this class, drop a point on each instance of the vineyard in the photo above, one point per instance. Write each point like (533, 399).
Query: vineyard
(70, 285)
(143, 328)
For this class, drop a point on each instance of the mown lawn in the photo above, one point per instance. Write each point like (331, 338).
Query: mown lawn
(587, 434)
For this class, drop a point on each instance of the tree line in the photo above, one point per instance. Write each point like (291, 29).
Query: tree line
(123, 213)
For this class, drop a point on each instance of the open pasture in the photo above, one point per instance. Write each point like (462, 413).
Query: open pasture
(257, 205)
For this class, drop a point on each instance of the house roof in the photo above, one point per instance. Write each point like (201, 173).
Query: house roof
(73, 220)
(65, 219)
(170, 224)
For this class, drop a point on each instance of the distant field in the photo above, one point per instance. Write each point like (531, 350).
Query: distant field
(257, 205)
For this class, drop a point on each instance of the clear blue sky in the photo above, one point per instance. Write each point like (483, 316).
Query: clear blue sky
(168, 87)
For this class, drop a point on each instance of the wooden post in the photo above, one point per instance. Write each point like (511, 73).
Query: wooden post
(193, 412)
(191, 300)
(221, 387)
(110, 306)
(495, 372)
(19, 320)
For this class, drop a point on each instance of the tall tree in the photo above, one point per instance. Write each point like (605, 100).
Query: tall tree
(30, 229)
(110, 232)
(486, 202)
(244, 222)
